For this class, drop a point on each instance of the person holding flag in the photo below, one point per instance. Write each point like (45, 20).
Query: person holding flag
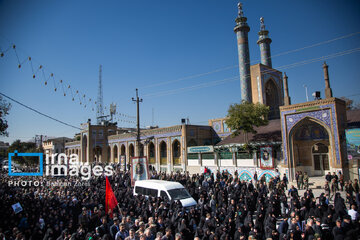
(207, 172)
(110, 199)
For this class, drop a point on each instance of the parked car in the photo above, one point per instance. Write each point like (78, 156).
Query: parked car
(166, 189)
(4, 162)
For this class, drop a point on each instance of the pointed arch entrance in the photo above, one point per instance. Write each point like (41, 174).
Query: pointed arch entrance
(163, 153)
(98, 154)
(131, 150)
(330, 114)
(141, 149)
(309, 147)
(151, 153)
(115, 152)
(123, 155)
(272, 98)
(176, 153)
(84, 149)
(108, 152)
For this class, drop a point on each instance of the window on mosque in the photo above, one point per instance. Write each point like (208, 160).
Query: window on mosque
(325, 162)
(320, 148)
(101, 134)
(317, 162)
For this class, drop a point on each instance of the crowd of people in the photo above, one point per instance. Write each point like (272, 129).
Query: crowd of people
(228, 208)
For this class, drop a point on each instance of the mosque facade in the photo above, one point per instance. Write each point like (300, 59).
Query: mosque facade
(308, 137)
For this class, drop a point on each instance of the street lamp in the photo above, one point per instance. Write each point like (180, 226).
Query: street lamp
(306, 92)
(233, 149)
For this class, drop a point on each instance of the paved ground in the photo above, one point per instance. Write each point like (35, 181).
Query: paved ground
(317, 192)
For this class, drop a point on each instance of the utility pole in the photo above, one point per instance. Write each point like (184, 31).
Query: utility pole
(137, 100)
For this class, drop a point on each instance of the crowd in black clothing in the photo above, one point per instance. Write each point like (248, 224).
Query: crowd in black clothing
(228, 208)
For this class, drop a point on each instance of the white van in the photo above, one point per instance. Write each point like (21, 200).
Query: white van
(169, 190)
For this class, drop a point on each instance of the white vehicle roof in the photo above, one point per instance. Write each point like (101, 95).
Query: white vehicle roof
(158, 184)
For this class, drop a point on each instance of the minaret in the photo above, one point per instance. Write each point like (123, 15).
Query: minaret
(328, 91)
(264, 43)
(241, 29)
(287, 100)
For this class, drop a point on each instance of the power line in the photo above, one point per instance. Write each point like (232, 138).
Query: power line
(40, 72)
(201, 85)
(38, 112)
(217, 82)
(316, 44)
(234, 66)
(353, 95)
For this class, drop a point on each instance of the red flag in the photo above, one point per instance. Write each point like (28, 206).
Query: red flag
(110, 199)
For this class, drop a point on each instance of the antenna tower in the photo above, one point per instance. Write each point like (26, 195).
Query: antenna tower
(100, 105)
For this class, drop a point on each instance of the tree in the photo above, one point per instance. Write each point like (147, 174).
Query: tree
(4, 110)
(246, 116)
(349, 103)
(23, 147)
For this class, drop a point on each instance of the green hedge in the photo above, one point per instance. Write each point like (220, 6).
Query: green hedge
(192, 156)
(243, 155)
(225, 155)
(207, 156)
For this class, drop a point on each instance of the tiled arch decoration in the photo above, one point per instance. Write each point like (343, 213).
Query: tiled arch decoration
(325, 114)
(244, 173)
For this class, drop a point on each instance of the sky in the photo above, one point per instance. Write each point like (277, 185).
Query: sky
(181, 55)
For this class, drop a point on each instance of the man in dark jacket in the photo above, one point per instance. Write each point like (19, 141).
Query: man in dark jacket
(338, 231)
(122, 234)
(83, 218)
(283, 227)
(104, 227)
(317, 227)
(114, 228)
(328, 177)
(293, 192)
(349, 228)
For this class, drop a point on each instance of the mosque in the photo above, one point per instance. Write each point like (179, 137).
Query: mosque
(309, 137)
